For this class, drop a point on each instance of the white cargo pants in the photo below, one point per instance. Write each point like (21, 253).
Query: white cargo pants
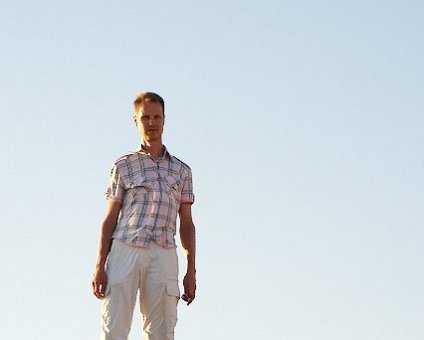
(154, 272)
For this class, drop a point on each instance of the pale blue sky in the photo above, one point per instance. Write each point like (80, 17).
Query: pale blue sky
(302, 122)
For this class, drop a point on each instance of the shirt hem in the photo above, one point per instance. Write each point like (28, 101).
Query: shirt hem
(144, 245)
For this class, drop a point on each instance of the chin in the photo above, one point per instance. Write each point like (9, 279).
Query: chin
(153, 138)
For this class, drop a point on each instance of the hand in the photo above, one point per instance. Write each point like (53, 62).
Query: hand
(189, 284)
(99, 283)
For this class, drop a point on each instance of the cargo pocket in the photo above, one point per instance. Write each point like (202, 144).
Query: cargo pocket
(172, 288)
(170, 306)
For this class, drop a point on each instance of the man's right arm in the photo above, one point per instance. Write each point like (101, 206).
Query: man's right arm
(108, 226)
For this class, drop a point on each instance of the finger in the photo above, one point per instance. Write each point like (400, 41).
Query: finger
(97, 290)
(103, 288)
(190, 300)
(186, 298)
(190, 296)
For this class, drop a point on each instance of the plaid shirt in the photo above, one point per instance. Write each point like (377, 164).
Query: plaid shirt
(151, 192)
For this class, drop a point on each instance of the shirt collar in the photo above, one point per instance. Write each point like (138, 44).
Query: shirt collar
(165, 154)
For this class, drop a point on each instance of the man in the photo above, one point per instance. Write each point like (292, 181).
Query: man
(136, 250)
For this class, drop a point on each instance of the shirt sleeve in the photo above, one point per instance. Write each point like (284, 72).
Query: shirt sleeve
(115, 190)
(187, 195)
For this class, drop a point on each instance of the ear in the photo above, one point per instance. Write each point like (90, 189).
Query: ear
(135, 120)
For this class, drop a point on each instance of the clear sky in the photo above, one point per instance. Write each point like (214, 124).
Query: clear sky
(302, 122)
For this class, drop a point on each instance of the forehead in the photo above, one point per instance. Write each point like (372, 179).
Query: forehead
(149, 107)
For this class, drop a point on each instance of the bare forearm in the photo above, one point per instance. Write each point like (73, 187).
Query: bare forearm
(188, 242)
(108, 226)
(105, 241)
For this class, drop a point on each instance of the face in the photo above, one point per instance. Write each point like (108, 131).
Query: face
(150, 121)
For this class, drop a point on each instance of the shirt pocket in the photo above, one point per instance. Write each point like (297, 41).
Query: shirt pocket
(138, 187)
(173, 186)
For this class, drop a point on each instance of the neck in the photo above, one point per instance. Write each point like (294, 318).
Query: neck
(155, 149)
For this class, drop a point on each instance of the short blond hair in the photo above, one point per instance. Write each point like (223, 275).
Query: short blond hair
(147, 97)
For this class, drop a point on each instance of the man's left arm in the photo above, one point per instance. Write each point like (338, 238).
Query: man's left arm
(188, 242)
